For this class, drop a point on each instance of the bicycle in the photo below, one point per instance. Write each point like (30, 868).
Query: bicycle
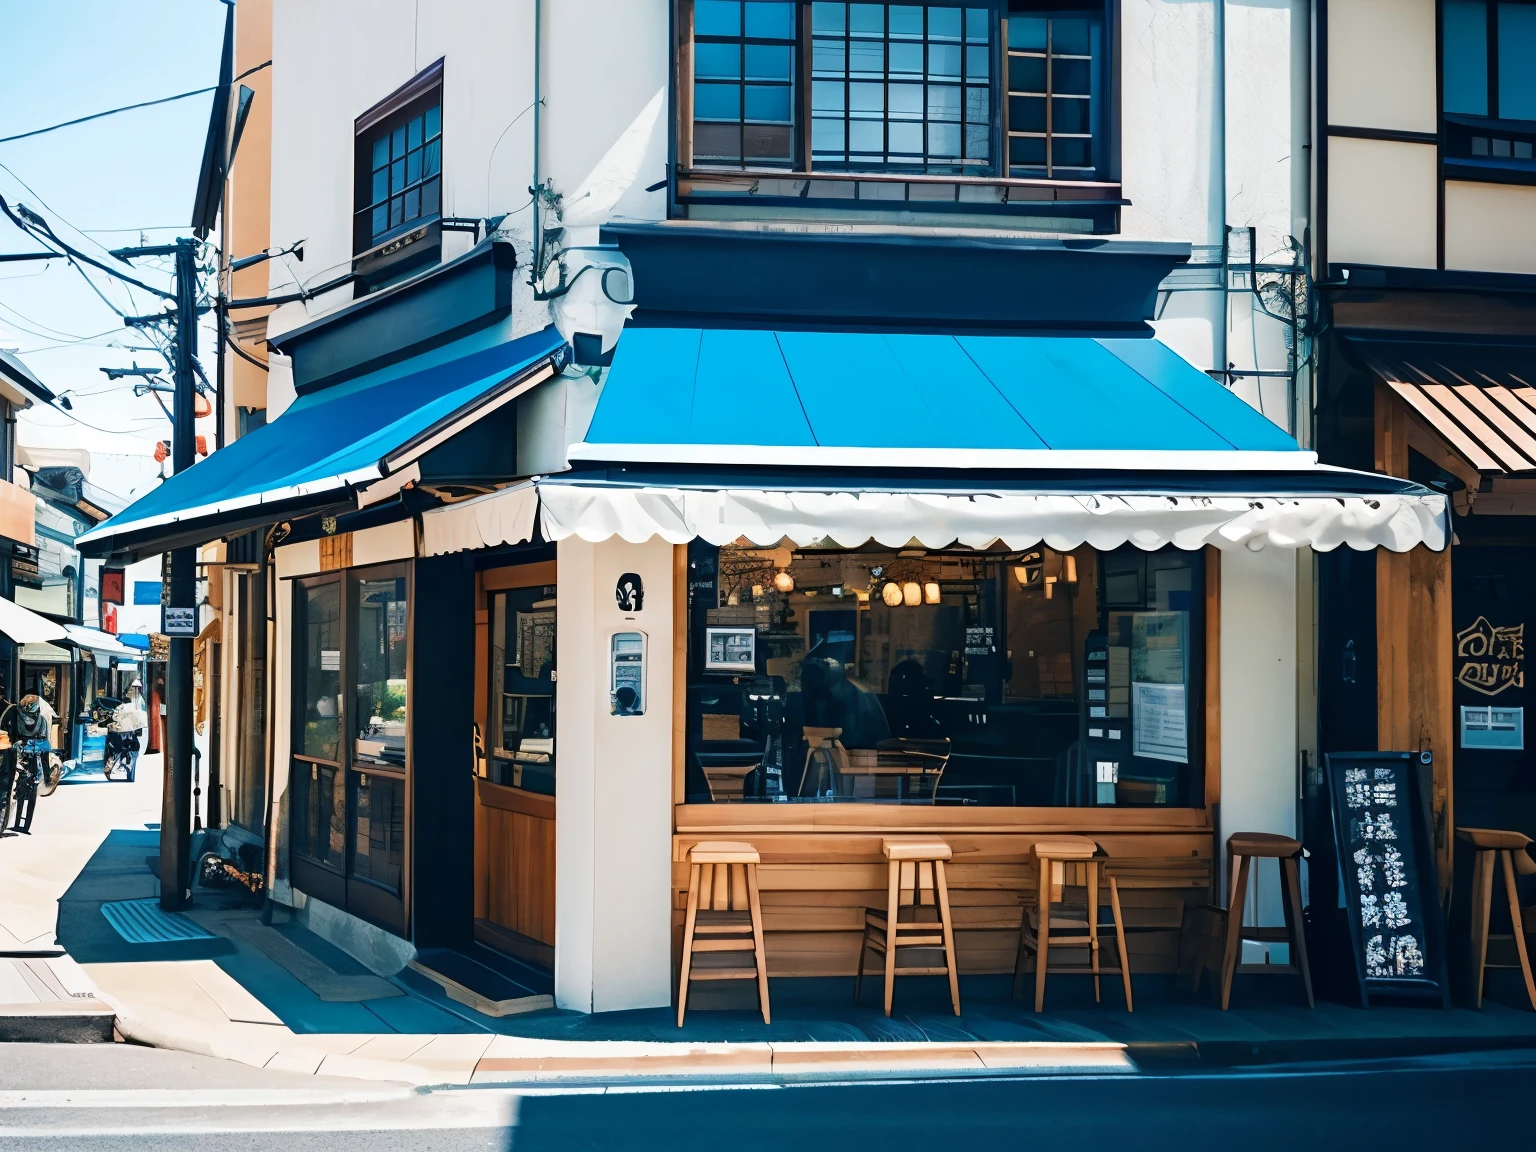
(31, 764)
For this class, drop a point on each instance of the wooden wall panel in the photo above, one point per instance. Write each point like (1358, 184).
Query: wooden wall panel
(816, 885)
(520, 858)
(1414, 643)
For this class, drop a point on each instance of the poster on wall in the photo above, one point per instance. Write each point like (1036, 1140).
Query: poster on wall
(1160, 722)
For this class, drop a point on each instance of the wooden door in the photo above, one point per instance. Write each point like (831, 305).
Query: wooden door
(515, 790)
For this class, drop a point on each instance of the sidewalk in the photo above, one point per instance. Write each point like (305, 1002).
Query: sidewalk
(281, 997)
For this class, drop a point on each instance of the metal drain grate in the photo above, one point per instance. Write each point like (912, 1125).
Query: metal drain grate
(145, 922)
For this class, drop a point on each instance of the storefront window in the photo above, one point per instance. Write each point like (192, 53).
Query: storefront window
(379, 654)
(522, 752)
(319, 794)
(321, 630)
(954, 676)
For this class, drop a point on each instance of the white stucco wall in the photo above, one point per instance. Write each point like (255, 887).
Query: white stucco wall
(613, 836)
(1258, 708)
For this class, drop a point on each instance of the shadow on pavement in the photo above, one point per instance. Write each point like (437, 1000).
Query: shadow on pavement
(1408, 1107)
(119, 870)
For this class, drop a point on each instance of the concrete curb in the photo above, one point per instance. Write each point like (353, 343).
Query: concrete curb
(84, 1021)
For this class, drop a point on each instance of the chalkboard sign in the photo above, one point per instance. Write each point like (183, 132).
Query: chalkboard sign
(1386, 875)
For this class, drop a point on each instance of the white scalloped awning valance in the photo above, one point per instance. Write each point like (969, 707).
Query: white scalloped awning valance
(593, 512)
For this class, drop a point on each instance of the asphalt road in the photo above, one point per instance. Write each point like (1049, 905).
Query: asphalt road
(100, 1097)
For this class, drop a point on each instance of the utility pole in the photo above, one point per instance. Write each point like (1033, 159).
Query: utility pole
(180, 623)
(176, 803)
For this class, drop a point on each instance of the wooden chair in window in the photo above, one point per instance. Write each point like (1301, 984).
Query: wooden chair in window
(826, 762)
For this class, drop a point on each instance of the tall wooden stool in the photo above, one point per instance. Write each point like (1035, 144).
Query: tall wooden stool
(1242, 849)
(915, 920)
(1062, 862)
(1506, 851)
(724, 923)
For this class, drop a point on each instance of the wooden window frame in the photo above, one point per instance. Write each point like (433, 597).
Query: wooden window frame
(922, 185)
(416, 96)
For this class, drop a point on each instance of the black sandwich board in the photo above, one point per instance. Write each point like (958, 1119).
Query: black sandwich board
(1384, 867)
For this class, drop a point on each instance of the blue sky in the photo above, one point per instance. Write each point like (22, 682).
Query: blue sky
(98, 184)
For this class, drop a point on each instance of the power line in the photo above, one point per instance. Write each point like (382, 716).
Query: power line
(124, 108)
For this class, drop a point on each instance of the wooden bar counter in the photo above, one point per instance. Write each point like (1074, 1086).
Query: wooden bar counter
(822, 865)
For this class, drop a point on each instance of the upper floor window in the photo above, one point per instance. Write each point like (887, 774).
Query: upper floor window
(1055, 93)
(1488, 52)
(904, 85)
(1000, 88)
(398, 180)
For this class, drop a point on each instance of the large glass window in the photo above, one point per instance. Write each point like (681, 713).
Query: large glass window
(906, 86)
(522, 750)
(950, 676)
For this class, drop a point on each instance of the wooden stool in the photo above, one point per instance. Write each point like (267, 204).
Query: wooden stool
(1507, 851)
(906, 922)
(1054, 859)
(723, 909)
(1242, 849)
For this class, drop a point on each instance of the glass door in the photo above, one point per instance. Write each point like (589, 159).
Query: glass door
(376, 780)
(350, 743)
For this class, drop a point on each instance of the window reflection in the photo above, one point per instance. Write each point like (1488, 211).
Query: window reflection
(523, 688)
(943, 676)
(379, 655)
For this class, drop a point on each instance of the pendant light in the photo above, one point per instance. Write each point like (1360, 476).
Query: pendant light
(891, 594)
(783, 581)
(911, 594)
(931, 592)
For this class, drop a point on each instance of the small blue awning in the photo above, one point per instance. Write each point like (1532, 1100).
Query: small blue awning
(843, 399)
(326, 446)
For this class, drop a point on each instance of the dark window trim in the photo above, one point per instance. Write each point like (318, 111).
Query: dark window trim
(413, 89)
(1393, 134)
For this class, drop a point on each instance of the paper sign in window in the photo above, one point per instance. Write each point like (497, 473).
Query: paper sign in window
(1160, 723)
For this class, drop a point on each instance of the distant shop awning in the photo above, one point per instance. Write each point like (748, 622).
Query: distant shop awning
(849, 438)
(43, 653)
(1470, 410)
(25, 626)
(135, 640)
(326, 447)
(96, 641)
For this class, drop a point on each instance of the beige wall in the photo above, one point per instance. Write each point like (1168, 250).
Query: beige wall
(248, 199)
(1381, 203)
(613, 832)
(1381, 64)
(1258, 696)
(1490, 227)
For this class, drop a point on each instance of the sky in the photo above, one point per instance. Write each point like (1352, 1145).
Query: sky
(101, 185)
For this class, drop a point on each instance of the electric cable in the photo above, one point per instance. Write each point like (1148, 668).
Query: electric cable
(5, 208)
(125, 108)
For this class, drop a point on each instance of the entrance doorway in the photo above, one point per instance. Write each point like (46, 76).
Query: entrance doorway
(516, 761)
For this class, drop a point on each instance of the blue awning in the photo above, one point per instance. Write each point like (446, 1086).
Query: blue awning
(324, 447)
(841, 399)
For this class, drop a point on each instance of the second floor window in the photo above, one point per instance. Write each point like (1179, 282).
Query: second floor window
(404, 180)
(1489, 59)
(398, 174)
(1013, 89)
